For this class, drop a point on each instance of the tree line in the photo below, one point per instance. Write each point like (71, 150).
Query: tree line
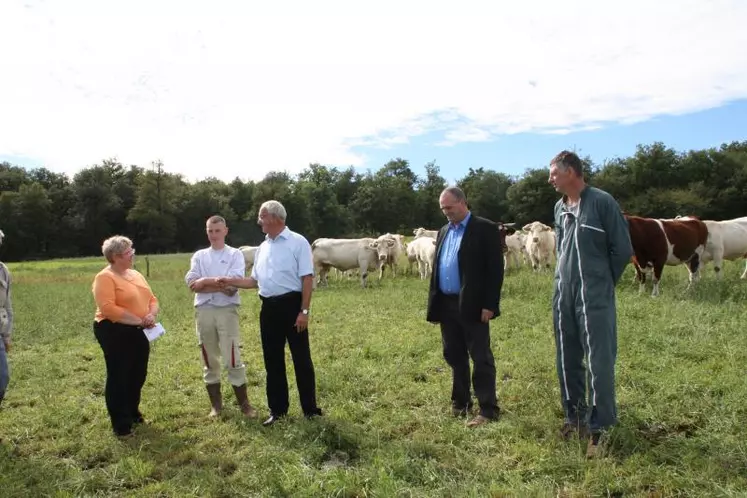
(48, 215)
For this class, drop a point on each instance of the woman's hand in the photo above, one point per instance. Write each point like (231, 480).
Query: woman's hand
(148, 321)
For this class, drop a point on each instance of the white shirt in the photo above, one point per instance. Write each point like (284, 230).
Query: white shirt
(208, 262)
(279, 264)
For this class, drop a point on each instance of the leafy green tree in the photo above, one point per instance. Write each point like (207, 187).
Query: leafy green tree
(155, 211)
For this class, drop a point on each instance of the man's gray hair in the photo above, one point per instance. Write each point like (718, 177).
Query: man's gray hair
(274, 208)
(455, 192)
(566, 160)
(112, 246)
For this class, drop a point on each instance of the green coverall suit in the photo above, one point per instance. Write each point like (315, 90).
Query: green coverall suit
(593, 248)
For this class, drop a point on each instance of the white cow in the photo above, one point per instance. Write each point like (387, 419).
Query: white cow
(516, 244)
(540, 244)
(389, 248)
(400, 240)
(422, 232)
(424, 251)
(402, 247)
(344, 254)
(248, 252)
(726, 240)
(412, 258)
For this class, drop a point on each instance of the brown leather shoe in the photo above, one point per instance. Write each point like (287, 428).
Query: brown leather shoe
(243, 400)
(477, 421)
(568, 429)
(595, 448)
(216, 401)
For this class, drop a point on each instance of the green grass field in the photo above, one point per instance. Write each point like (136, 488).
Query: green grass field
(384, 387)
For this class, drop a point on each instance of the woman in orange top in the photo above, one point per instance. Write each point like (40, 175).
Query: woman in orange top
(125, 305)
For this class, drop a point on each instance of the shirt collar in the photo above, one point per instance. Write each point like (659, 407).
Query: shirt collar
(463, 223)
(581, 194)
(282, 235)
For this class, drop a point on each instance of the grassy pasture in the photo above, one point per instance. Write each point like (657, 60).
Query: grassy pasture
(385, 387)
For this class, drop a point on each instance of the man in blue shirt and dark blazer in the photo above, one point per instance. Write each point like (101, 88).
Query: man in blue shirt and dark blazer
(465, 293)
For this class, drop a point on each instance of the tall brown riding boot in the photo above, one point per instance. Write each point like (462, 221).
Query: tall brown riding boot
(216, 401)
(243, 400)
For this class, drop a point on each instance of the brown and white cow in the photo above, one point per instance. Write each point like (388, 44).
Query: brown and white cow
(671, 242)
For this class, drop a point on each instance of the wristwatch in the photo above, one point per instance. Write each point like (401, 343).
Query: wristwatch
(305, 311)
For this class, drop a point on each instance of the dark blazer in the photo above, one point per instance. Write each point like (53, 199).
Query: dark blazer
(480, 271)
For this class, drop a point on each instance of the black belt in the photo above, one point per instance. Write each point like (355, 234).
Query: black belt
(280, 297)
(453, 297)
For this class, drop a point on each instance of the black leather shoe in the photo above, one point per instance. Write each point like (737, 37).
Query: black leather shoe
(316, 413)
(272, 419)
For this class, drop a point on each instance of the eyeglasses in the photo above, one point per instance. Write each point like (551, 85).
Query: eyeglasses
(128, 252)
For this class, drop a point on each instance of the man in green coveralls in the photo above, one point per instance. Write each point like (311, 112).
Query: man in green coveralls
(593, 248)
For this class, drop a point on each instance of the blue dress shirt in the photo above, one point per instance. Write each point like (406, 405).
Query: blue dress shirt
(448, 263)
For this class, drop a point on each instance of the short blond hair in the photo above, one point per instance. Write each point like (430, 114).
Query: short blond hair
(112, 246)
(217, 219)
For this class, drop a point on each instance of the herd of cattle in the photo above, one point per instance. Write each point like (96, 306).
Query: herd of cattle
(656, 243)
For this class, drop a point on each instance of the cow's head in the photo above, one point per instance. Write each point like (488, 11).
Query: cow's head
(418, 232)
(384, 247)
(535, 228)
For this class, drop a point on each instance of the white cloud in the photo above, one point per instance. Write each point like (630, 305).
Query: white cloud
(224, 89)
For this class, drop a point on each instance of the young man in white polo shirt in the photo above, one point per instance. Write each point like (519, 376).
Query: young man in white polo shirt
(217, 315)
(283, 272)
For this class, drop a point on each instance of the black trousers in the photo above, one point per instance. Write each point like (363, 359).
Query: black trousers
(461, 340)
(277, 320)
(126, 352)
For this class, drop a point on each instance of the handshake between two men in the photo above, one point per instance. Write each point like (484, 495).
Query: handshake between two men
(227, 285)
(230, 285)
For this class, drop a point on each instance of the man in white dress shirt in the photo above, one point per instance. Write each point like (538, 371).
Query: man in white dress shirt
(283, 272)
(217, 315)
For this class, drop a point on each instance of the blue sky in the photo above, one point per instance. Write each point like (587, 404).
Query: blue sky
(513, 154)
(233, 88)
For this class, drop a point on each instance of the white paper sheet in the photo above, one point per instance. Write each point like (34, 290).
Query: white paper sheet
(154, 332)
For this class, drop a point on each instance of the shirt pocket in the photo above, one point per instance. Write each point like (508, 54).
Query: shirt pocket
(592, 235)
(593, 225)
